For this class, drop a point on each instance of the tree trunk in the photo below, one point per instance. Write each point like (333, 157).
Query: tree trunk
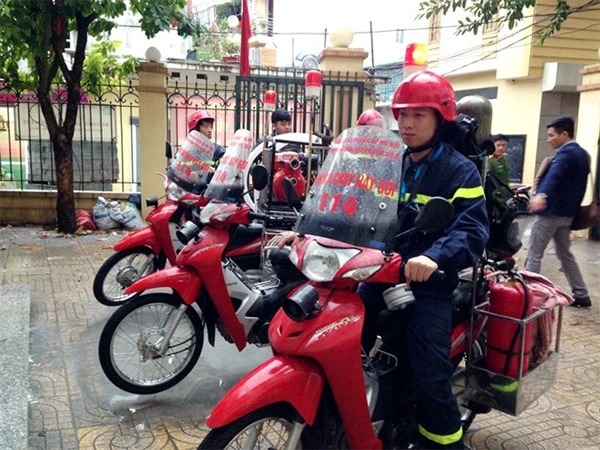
(65, 197)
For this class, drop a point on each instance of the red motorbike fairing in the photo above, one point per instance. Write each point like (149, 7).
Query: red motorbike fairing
(181, 279)
(296, 381)
(205, 255)
(144, 237)
(157, 236)
(332, 338)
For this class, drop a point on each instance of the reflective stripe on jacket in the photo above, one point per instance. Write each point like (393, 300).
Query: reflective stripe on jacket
(452, 176)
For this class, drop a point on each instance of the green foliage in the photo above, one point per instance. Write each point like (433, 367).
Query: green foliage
(508, 12)
(102, 67)
(33, 39)
(232, 8)
(34, 34)
(215, 43)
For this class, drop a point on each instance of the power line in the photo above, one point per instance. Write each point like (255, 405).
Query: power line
(512, 44)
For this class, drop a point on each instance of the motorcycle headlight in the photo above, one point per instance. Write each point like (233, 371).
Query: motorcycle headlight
(175, 192)
(209, 210)
(322, 263)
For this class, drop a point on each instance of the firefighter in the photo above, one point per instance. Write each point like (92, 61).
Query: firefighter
(203, 122)
(371, 117)
(423, 103)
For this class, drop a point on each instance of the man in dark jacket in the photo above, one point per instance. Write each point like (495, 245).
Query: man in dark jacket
(423, 103)
(556, 202)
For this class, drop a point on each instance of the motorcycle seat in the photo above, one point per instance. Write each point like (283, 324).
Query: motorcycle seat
(245, 234)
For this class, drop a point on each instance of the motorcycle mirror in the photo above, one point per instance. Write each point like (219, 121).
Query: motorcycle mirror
(291, 195)
(260, 177)
(434, 216)
(168, 150)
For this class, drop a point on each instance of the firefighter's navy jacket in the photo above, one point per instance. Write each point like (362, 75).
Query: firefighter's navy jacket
(452, 176)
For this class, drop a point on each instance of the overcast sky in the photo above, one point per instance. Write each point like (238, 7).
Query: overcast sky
(317, 15)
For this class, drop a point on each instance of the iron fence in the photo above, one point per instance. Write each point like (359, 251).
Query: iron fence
(105, 142)
(240, 104)
(106, 151)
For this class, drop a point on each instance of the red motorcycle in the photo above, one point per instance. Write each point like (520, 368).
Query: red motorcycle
(152, 342)
(320, 390)
(146, 250)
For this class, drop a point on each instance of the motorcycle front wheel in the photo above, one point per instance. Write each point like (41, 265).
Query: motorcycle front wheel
(131, 340)
(267, 428)
(120, 271)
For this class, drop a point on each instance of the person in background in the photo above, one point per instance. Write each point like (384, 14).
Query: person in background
(499, 163)
(203, 122)
(281, 123)
(556, 201)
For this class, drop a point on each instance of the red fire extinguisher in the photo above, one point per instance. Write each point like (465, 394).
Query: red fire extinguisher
(510, 299)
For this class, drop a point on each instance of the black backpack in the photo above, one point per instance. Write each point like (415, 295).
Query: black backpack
(461, 134)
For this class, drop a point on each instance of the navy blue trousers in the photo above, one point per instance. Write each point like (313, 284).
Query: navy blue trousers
(425, 329)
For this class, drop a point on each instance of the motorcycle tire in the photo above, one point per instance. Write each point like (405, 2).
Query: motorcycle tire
(128, 344)
(458, 383)
(272, 427)
(121, 270)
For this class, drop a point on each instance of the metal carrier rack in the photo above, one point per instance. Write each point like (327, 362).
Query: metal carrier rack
(505, 393)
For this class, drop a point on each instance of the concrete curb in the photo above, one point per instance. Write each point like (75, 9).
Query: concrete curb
(14, 366)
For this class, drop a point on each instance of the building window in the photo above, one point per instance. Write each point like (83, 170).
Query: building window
(492, 26)
(434, 29)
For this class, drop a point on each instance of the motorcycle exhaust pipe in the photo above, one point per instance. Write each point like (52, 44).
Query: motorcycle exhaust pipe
(187, 232)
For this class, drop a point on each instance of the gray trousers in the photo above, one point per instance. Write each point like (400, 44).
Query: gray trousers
(548, 227)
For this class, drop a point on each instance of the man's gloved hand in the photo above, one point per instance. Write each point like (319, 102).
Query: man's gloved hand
(326, 136)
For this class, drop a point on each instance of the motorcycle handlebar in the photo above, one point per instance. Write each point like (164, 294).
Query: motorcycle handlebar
(258, 216)
(436, 277)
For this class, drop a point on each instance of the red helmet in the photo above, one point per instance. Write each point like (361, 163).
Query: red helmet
(371, 117)
(198, 116)
(426, 89)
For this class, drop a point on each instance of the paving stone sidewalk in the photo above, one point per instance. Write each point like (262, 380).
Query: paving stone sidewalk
(71, 404)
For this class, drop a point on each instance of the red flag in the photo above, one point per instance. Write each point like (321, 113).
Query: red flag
(246, 33)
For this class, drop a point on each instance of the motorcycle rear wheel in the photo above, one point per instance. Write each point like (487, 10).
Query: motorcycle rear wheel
(120, 271)
(127, 348)
(266, 428)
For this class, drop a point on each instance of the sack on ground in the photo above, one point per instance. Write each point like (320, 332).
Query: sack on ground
(101, 215)
(587, 217)
(84, 220)
(126, 214)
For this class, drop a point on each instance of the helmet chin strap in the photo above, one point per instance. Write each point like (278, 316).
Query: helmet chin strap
(434, 142)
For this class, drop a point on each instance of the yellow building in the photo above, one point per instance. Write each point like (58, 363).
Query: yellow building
(528, 84)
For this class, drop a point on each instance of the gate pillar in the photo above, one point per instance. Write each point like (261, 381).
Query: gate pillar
(153, 128)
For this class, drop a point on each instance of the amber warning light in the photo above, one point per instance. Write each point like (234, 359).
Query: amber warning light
(415, 58)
